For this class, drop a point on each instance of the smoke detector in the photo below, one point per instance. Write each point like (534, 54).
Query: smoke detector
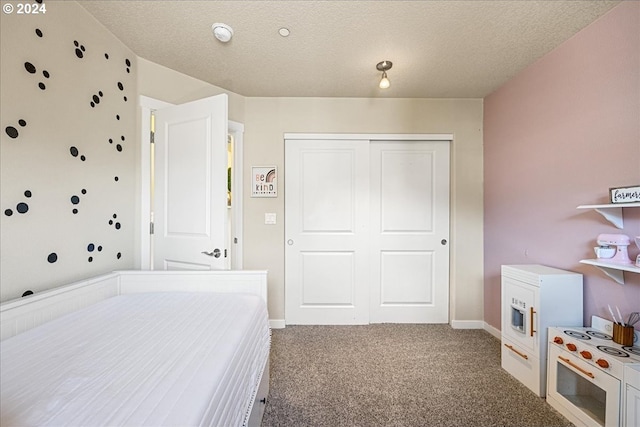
(223, 32)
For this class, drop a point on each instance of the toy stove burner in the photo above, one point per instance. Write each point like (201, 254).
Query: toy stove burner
(578, 335)
(612, 351)
(598, 334)
(632, 350)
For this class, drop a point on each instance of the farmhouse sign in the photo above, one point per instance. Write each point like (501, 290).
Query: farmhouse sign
(625, 194)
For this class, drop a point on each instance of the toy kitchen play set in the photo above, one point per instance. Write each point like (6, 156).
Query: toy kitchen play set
(591, 375)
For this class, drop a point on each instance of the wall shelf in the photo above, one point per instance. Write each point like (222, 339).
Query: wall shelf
(613, 270)
(612, 212)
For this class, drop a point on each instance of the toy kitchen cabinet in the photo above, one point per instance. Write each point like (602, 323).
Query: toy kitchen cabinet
(535, 297)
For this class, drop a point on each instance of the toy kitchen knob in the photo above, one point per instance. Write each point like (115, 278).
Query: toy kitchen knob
(585, 354)
(558, 340)
(602, 363)
(571, 347)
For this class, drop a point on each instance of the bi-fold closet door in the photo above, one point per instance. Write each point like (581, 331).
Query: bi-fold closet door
(366, 231)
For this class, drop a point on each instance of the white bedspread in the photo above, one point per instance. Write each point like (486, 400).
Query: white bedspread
(147, 359)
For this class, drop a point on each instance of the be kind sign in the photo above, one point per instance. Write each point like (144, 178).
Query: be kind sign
(265, 181)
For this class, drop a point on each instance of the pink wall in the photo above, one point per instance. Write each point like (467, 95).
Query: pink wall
(556, 136)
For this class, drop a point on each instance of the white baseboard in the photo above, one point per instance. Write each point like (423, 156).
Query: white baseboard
(467, 324)
(493, 331)
(476, 324)
(276, 323)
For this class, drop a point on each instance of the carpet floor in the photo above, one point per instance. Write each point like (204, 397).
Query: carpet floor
(396, 375)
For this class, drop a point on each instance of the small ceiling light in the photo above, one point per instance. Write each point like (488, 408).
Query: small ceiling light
(384, 66)
(284, 32)
(223, 32)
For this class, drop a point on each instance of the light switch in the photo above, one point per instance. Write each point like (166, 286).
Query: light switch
(270, 218)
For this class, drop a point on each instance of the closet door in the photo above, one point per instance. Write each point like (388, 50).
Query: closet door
(366, 231)
(409, 232)
(326, 229)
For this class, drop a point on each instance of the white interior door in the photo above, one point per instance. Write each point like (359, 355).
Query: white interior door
(326, 211)
(409, 232)
(190, 194)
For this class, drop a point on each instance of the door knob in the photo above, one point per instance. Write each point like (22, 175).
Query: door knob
(215, 253)
(289, 242)
(443, 242)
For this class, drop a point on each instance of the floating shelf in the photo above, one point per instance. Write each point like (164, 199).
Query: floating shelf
(613, 270)
(612, 212)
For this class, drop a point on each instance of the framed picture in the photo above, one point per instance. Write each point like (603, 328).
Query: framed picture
(625, 194)
(264, 181)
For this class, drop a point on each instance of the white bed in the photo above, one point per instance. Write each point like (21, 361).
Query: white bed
(138, 348)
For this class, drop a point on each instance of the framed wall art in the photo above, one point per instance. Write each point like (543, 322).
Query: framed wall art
(264, 181)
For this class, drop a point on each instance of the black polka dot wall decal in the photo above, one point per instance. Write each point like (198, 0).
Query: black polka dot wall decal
(116, 179)
(31, 69)
(53, 257)
(79, 49)
(12, 131)
(74, 152)
(27, 293)
(91, 247)
(76, 200)
(125, 99)
(117, 116)
(39, 1)
(120, 86)
(115, 224)
(96, 99)
(128, 64)
(106, 56)
(119, 148)
(21, 207)
(38, 32)
(119, 255)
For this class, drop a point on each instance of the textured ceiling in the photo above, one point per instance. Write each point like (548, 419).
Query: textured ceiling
(439, 49)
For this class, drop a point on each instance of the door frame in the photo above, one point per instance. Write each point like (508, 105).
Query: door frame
(147, 106)
(373, 137)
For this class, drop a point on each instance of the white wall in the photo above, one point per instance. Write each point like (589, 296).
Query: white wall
(75, 59)
(266, 121)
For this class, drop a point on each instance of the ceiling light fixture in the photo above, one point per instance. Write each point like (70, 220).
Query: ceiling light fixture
(223, 32)
(384, 66)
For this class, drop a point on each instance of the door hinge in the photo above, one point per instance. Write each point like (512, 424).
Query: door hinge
(152, 137)
(151, 228)
(225, 253)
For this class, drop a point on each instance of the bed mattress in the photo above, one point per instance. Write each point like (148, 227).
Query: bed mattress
(148, 359)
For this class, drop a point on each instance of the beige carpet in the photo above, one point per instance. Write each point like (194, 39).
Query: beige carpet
(396, 375)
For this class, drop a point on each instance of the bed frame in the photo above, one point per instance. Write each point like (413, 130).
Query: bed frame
(22, 314)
